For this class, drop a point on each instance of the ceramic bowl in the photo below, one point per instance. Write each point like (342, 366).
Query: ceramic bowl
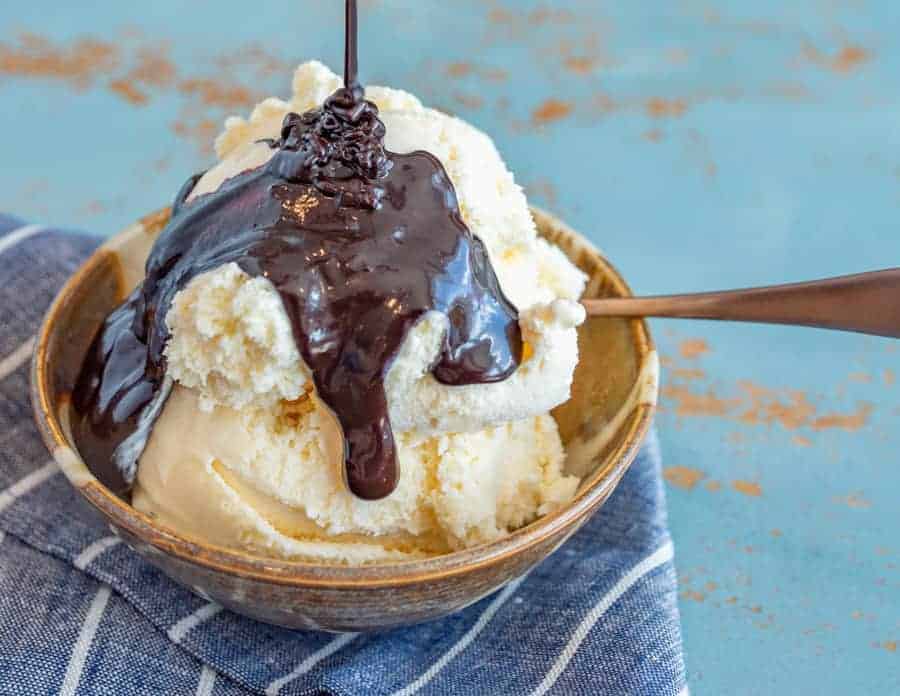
(602, 425)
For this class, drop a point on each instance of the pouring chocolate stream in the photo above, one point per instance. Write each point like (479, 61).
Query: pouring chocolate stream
(359, 242)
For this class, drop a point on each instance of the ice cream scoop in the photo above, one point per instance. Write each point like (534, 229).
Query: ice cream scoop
(335, 315)
(245, 431)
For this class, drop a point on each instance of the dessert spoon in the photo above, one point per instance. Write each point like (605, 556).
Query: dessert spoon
(865, 302)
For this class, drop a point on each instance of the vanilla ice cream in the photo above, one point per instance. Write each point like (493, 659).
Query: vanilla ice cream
(246, 455)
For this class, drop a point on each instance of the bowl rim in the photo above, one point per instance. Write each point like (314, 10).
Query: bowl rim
(592, 492)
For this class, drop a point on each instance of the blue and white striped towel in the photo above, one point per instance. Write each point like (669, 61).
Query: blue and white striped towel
(81, 614)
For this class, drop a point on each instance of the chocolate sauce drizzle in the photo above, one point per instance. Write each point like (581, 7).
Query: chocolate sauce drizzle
(359, 242)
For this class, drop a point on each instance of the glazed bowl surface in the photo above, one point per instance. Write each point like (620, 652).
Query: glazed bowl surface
(602, 425)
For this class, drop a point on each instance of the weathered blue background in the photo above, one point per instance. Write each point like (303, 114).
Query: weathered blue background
(700, 144)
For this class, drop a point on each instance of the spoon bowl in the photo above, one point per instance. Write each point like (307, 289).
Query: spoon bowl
(602, 425)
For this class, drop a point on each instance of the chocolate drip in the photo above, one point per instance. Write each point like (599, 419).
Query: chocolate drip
(358, 241)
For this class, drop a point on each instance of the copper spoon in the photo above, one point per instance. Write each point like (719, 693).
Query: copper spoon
(866, 302)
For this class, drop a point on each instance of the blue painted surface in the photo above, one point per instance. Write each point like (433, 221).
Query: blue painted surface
(718, 144)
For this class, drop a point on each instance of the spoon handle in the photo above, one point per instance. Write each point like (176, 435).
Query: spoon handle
(865, 302)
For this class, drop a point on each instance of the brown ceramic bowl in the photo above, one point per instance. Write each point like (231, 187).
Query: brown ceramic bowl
(603, 424)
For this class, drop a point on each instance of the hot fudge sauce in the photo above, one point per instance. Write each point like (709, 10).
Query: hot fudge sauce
(359, 242)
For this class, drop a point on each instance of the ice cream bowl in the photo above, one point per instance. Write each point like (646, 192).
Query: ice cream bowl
(602, 425)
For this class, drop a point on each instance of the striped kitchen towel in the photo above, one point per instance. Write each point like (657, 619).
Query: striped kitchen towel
(81, 614)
